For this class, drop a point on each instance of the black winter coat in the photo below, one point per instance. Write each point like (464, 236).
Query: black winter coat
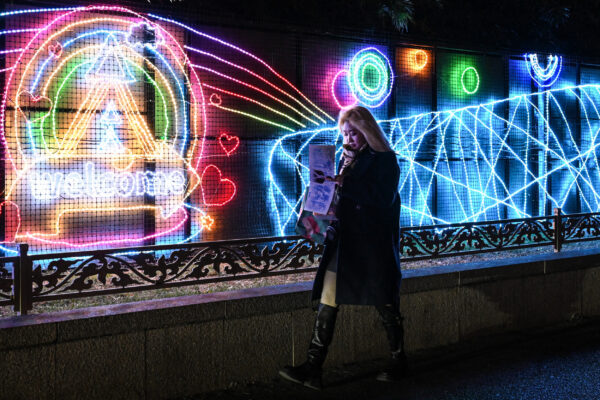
(368, 270)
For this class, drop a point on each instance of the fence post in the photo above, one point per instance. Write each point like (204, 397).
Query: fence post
(22, 281)
(558, 229)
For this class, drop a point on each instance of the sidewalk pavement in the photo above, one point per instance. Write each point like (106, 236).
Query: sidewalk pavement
(557, 365)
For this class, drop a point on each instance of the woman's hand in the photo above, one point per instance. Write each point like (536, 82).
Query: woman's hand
(318, 176)
(338, 179)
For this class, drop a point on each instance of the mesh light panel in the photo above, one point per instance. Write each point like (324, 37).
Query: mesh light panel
(126, 128)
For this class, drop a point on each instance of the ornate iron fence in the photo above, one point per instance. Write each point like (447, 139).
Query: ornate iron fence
(26, 279)
(478, 237)
(44, 277)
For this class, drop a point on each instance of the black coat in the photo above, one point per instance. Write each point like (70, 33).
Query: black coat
(368, 270)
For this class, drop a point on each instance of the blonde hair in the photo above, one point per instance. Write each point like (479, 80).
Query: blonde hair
(362, 119)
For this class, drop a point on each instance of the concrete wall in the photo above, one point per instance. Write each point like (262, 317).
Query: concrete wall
(174, 347)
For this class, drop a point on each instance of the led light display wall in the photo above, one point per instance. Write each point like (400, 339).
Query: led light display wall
(103, 126)
(126, 128)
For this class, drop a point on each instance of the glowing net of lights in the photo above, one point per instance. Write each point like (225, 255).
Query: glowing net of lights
(107, 129)
(89, 160)
(473, 148)
(89, 164)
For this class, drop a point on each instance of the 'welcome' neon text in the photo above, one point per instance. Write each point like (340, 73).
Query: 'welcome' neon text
(100, 184)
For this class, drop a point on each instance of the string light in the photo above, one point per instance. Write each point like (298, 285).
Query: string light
(95, 184)
(480, 135)
(107, 74)
(207, 222)
(544, 77)
(43, 238)
(14, 31)
(419, 59)
(371, 58)
(246, 53)
(256, 89)
(216, 190)
(11, 51)
(252, 116)
(225, 141)
(136, 32)
(219, 101)
(10, 229)
(473, 73)
(314, 114)
(333, 82)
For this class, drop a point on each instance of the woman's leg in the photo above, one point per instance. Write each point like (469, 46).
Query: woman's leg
(309, 373)
(328, 292)
(393, 324)
(324, 323)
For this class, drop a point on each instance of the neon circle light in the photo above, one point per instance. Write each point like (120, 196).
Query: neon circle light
(544, 77)
(462, 80)
(333, 83)
(416, 55)
(84, 166)
(370, 58)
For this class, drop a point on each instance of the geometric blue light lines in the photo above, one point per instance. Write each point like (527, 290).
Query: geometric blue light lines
(489, 161)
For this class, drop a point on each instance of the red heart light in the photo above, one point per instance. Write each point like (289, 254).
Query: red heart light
(216, 191)
(30, 106)
(215, 100)
(55, 49)
(228, 143)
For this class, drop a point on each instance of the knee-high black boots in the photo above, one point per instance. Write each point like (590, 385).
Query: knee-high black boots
(392, 322)
(309, 373)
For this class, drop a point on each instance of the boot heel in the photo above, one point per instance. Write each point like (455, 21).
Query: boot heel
(304, 374)
(309, 373)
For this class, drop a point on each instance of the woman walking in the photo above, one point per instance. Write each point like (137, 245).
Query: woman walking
(360, 264)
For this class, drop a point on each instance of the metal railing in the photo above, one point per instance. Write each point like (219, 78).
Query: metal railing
(45, 277)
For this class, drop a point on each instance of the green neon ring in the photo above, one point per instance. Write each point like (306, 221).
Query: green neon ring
(462, 80)
(371, 96)
(362, 78)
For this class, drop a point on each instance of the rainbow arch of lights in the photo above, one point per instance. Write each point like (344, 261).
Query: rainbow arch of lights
(96, 63)
(85, 167)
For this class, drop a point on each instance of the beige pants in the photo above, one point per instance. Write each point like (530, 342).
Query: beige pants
(329, 283)
(328, 292)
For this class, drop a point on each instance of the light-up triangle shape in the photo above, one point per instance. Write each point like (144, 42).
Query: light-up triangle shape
(110, 142)
(110, 65)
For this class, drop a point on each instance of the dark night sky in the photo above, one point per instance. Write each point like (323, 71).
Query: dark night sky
(564, 26)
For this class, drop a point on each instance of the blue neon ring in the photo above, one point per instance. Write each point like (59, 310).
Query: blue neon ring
(370, 58)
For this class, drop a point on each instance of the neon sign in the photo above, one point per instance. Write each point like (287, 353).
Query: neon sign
(469, 80)
(73, 185)
(370, 77)
(544, 77)
(109, 157)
